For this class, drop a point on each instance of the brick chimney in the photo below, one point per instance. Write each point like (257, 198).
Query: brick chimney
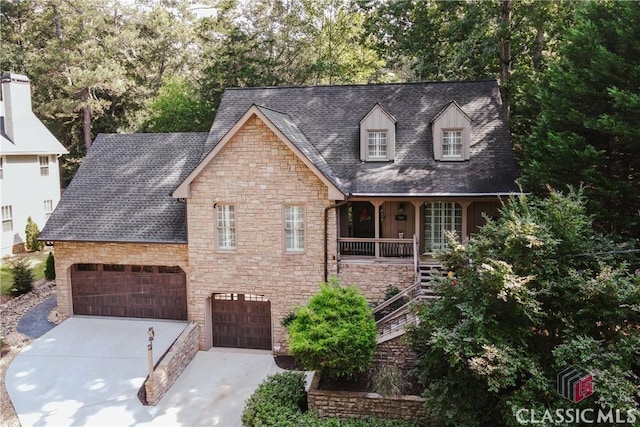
(16, 100)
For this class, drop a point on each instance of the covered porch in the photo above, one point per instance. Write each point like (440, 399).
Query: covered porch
(407, 229)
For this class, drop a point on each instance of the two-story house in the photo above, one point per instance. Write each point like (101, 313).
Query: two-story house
(236, 228)
(29, 172)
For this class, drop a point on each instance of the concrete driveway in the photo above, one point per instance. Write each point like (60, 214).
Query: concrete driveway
(87, 372)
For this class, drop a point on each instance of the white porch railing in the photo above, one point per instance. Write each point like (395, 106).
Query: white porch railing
(377, 248)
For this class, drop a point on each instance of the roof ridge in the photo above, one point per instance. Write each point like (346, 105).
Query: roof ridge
(424, 82)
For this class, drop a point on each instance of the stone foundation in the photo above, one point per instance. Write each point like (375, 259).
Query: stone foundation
(372, 278)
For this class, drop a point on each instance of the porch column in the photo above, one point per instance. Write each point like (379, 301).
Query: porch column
(376, 216)
(465, 232)
(416, 216)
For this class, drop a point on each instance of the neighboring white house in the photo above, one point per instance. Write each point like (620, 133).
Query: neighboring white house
(29, 172)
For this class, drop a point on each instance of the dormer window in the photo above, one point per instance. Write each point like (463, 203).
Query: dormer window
(377, 135)
(377, 145)
(451, 130)
(452, 143)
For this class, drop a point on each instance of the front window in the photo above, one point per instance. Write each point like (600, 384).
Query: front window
(44, 165)
(440, 217)
(7, 218)
(226, 225)
(452, 143)
(378, 145)
(294, 228)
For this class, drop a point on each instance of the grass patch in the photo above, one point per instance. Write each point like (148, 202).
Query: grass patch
(36, 261)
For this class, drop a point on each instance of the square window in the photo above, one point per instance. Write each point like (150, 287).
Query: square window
(294, 228)
(7, 218)
(377, 145)
(226, 226)
(452, 143)
(44, 165)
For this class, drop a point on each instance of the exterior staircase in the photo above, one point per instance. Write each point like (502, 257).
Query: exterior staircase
(395, 313)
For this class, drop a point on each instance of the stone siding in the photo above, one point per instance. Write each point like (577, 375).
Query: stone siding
(70, 253)
(396, 352)
(373, 278)
(172, 364)
(259, 175)
(349, 404)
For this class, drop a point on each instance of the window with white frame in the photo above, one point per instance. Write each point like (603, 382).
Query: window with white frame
(226, 226)
(48, 208)
(7, 218)
(1, 168)
(377, 145)
(440, 217)
(294, 228)
(452, 143)
(44, 165)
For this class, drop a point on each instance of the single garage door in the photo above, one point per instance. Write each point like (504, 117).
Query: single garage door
(241, 321)
(147, 291)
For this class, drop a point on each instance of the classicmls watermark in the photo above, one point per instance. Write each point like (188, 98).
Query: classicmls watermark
(576, 384)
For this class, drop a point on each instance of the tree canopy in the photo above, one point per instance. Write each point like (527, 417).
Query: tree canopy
(534, 292)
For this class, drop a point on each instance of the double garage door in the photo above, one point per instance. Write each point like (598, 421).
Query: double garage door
(144, 291)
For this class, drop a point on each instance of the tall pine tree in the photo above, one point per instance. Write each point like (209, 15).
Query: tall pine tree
(588, 130)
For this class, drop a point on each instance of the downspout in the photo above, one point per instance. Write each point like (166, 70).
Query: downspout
(326, 234)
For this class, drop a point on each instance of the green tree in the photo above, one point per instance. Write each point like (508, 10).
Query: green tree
(534, 292)
(335, 333)
(32, 232)
(50, 267)
(22, 277)
(588, 130)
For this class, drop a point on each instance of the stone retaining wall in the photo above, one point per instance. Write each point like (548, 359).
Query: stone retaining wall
(172, 364)
(347, 404)
(395, 352)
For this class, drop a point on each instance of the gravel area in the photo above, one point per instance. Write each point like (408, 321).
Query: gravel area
(23, 319)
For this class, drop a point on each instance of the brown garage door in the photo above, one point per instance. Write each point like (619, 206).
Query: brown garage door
(157, 292)
(241, 321)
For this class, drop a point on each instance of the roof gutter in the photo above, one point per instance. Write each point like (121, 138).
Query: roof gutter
(512, 193)
(326, 234)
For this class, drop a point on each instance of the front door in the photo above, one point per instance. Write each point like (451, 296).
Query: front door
(440, 217)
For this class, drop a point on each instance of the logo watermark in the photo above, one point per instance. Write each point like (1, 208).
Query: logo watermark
(576, 384)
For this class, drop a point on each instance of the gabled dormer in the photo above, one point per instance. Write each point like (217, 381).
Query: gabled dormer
(451, 129)
(377, 135)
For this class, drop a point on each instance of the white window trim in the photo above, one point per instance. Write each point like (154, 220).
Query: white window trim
(302, 231)
(229, 227)
(383, 158)
(44, 165)
(444, 207)
(7, 218)
(48, 208)
(453, 156)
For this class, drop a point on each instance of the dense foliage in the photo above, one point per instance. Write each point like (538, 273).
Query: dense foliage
(50, 267)
(281, 401)
(32, 231)
(335, 333)
(534, 292)
(22, 278)
(588, 131)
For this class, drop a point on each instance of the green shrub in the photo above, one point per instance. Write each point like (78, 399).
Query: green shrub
(281, 401)
(389, 381)
(22, 278)
(32, 232)
(50, 267)
(279, 398)
(335, 333)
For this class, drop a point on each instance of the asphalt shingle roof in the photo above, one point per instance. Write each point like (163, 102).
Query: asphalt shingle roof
(122, 190)
(328, 117)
